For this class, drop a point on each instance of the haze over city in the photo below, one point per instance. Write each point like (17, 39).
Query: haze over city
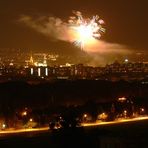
(23, 22)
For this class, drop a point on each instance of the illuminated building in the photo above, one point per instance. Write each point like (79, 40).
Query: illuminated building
(46, 71)
(31, 71)
(39, 71)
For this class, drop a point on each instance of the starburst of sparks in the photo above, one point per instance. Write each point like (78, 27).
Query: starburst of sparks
(86, 30)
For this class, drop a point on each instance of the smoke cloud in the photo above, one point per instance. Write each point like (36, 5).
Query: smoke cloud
(57, 29)
(49, 26)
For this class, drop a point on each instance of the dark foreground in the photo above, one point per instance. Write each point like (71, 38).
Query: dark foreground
(124, 135)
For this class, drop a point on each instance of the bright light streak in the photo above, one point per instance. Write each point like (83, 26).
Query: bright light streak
(15, 131)
(39, 72)
(116, 121)
(86, 30)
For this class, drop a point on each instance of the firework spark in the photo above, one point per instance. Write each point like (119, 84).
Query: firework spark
(83, 32)
(86, 30)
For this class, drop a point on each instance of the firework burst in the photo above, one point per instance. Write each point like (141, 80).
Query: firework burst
(86, 29)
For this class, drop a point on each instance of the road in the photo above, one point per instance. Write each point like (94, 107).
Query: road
(43, 129)
(116, 121)
(15, 131)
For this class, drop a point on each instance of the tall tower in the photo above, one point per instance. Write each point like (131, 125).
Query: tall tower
(45, 60)
(31, 61)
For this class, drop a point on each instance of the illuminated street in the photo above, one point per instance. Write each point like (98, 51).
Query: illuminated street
(13, 131)
(43, 129)
(116, 122)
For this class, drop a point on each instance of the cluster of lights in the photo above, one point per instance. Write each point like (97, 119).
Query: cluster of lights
(122, 99)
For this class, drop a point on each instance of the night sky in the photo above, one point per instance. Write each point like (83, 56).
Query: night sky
(126, 22)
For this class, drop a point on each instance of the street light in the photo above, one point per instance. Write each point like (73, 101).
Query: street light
(30, 119)
(103, 116)
(24, 113)
(142, 111)
(125, 113)
(3, 126)
(85, 115)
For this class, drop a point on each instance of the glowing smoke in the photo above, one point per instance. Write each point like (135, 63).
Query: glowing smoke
(49, 26)
(77, 29)
(56, 28)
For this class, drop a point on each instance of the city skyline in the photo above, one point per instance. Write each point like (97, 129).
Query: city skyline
(125, 24)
